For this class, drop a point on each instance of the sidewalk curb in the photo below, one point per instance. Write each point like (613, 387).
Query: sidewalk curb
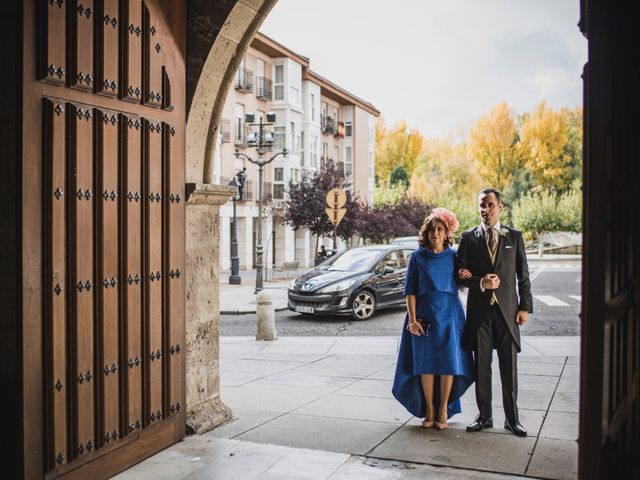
(246, 312)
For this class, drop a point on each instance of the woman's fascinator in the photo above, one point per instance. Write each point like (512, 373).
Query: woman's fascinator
(447, 217)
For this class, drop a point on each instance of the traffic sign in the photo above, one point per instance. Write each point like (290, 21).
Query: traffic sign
(336, 198)
(335, 216)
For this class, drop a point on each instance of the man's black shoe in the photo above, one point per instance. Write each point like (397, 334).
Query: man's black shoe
(480, 424)
(515, 428)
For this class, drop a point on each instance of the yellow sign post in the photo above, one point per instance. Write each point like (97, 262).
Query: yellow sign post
(336, 199)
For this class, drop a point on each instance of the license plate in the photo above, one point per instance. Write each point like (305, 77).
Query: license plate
(304, 309)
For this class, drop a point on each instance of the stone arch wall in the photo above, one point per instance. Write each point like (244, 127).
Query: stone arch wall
(219, 34)
(219, 61)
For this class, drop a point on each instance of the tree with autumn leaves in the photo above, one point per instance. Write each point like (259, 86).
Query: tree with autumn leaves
(532, 154)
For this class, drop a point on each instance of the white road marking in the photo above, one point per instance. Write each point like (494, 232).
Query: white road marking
(551, 301)
(535, 274)
(576, 297)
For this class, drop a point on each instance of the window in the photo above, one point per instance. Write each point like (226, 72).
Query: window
(295, 95)
(313, 107)
(295, 175)
(323, 111)
(278, 174)
(280, 138)
(294, 140)
(279, 83)
(347, 129)
(302, 148)
(325, 151)
(371, 173)
(313, 152)
(278, 191)
(336, 154)
(239, 124)
(347, 161)
(371, 135)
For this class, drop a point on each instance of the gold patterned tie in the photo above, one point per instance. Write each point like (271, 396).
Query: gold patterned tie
(492, 242)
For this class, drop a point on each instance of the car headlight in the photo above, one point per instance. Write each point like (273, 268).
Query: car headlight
(336, 287)
(292, 284)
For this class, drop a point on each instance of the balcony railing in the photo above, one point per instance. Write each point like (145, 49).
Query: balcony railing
(240, 135)
(327, 125)
(244, 80)
(265, 88)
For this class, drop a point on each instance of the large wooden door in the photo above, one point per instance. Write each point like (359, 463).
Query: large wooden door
(610, 383)
(108, 92)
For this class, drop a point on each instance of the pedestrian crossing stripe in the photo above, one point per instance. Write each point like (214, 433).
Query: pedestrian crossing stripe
(548, 300)
(551, 301)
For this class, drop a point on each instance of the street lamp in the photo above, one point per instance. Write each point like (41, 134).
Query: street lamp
(263, 142)
(234, 278)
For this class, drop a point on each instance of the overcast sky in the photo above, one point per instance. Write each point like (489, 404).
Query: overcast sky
(440, 64)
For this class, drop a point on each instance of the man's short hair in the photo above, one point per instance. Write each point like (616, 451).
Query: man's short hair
(486, 191)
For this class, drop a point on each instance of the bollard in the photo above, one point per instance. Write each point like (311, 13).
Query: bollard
(265, 317)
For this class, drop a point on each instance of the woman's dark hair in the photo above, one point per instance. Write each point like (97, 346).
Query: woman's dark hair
(429, 224)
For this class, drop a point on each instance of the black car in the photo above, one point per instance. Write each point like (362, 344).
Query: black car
(357, 281)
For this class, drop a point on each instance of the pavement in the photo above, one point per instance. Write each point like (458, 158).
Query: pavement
(241, 299)
(321, 408)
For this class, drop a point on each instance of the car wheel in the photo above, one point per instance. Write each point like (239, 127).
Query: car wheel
(364, 305)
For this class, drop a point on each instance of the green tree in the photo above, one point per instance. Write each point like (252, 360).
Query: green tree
(542, 213)
(398, 176)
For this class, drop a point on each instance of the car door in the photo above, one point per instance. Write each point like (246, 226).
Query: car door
(389, 278)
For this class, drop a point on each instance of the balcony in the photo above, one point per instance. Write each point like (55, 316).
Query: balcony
(265, 89)
(327, 125)
(240, 135)
(244, 80)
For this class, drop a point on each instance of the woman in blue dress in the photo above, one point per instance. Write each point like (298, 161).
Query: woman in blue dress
(433, 371)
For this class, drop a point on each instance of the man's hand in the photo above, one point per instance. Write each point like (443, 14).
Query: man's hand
(522, 317)
(490, 281)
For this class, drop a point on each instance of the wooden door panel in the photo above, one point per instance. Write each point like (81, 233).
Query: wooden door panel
(57, 376)
(152, 40)
(81, 274)
(107, 43)
(154, 279)
(108, 193)
(173, 192)
(131, 53)
(81, 16)
(131, 129)
(112, 230)
(51, 49)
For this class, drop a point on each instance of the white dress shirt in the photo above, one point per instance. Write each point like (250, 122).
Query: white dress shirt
(496, 227)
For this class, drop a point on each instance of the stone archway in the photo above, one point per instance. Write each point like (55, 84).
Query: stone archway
(218, 37)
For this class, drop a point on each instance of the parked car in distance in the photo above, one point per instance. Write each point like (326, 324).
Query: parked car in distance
(406, 241)
(358, 281)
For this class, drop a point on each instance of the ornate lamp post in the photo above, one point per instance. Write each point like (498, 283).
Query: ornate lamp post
(263, 141)
(234, 278)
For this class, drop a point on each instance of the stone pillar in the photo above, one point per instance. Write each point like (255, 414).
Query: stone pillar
(205, 409)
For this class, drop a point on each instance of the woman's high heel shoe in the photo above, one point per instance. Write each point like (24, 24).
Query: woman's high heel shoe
(428, 423)
(440, 426)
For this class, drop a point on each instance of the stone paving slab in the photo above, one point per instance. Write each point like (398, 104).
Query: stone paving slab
(451, 447)
(355, 437)
(556, 459)
(335, 411)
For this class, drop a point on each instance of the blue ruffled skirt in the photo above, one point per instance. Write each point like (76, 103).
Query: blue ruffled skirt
(439, 353)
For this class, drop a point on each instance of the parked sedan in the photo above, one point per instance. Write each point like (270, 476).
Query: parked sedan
(357, 281)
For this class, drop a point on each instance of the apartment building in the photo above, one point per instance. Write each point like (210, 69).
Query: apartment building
(315, 120)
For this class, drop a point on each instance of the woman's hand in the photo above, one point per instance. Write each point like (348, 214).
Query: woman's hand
(415, 328)
(463, 274)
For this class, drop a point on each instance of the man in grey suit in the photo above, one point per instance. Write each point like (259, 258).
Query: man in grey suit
(499, 302)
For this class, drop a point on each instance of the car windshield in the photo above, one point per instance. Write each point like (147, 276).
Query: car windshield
(356, 259)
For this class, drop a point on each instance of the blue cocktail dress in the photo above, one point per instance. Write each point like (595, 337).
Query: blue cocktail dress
(430, 278)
